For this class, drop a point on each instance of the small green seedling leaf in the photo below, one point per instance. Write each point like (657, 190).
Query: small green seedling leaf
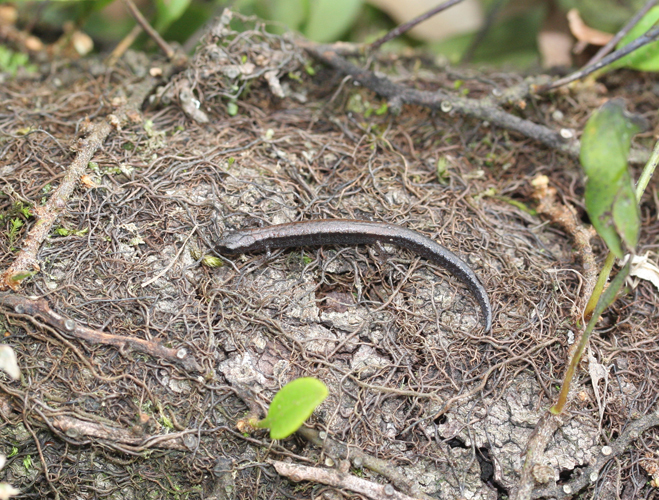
(166, 422)
(62, 231)
(384, 107)
(610, 198)
(443, 174)
(212, 261)
(16, 278)
(232, 108)
(645, 58)
(292, 405)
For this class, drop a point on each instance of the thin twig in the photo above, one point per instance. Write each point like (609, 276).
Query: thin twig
(403, 28)
(76, 427)
(592, 473)
(619, 36)
(40, 308)
(338, 479)
(123, 45)
(26, 264)
(535, 449)
(549, 205)
(342, 451)
(164, 46)
(641, 41)
(482, 109)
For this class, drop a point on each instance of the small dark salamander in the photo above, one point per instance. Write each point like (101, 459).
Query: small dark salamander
(355, 232)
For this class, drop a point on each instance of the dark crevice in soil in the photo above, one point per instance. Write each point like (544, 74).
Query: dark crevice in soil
(440, 420)
(569, 474)
(487, 473)
(456, 442)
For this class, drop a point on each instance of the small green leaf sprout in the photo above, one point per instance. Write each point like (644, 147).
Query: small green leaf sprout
(292, 405)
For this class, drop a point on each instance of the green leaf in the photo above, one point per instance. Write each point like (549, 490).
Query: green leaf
(169, 11)
(292, 13)
(292, 405)
(645, 58)
(329, 19)
(610, 198)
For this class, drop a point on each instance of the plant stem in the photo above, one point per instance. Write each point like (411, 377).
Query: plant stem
(600, 300)
(599, 286)
(647, 172)
(605, 301)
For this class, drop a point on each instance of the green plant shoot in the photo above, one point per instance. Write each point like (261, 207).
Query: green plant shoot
(606, 299)
(612, 204)
(292, 405)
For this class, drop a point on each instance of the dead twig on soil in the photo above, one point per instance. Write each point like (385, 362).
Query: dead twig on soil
(338, 450)
(338, 480)
(535, 449)
(26, 263)
(123, 46)
(41, 309)
(76, 428)
(566, 218)
(592, 473)
(484, 109)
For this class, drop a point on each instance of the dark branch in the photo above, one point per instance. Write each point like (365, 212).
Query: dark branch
(619, 36)
(403, 28)
(484, 109)
(641, 41)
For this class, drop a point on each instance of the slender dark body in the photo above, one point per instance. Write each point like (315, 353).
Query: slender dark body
(356, 232)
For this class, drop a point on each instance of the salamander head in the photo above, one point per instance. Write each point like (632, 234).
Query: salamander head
(235, 242)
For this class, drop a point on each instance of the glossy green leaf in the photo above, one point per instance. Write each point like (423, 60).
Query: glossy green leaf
(96, 5)
(292, 13)
(645, 58)
(329, 19)
(610, 198)
(169, 11)
(292, 405)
